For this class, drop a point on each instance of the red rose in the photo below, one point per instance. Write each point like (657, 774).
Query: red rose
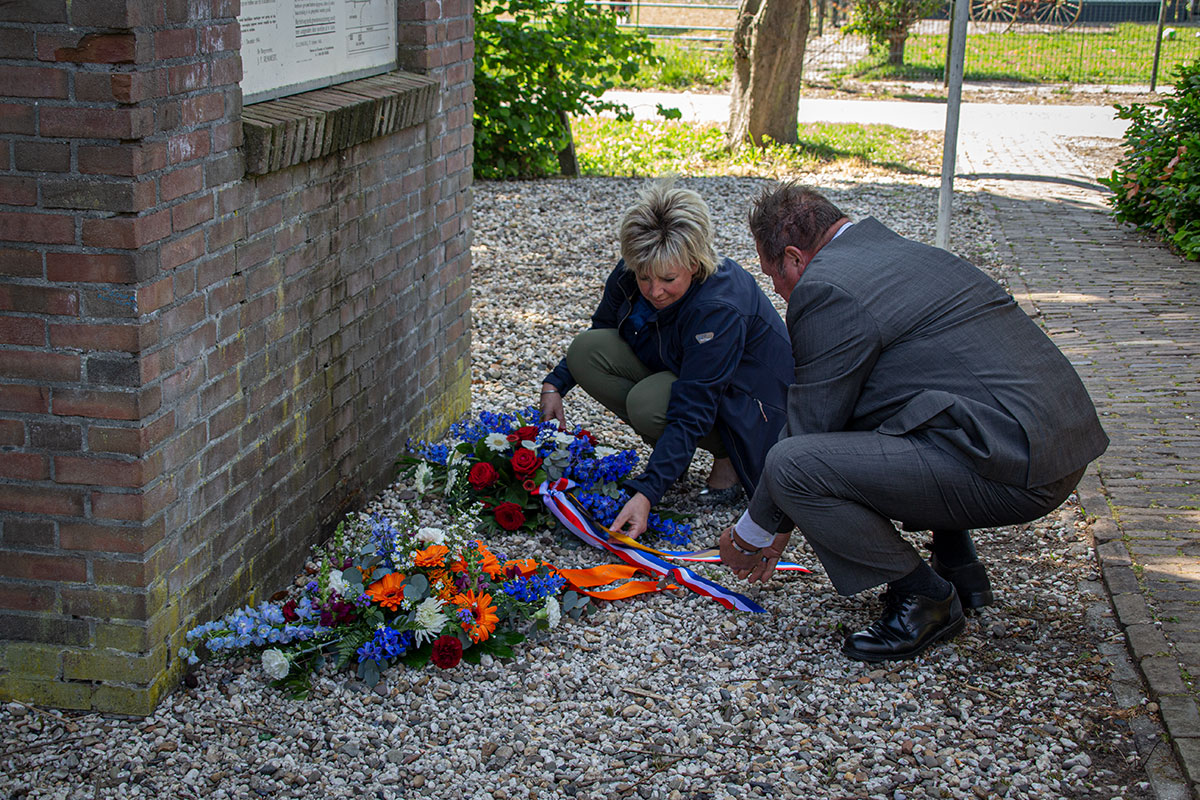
(447, 651)
(482, 476)
(585, 434)
(528, 485)
(527, 433)
(509, 516)
(525, 462)
(289, 611)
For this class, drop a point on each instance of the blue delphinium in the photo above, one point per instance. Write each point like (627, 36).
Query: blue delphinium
(386, 644)
(251, 627)
(604, 510)
(533, 588)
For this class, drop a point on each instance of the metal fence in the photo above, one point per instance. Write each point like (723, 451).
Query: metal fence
(1089, 38)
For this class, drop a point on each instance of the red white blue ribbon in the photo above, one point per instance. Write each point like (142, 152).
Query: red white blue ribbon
(566, 508)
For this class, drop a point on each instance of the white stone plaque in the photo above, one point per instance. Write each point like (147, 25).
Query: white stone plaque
(291, 46)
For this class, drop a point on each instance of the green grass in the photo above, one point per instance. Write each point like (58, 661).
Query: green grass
(643, 148)
(684, 66)
(1121, 54)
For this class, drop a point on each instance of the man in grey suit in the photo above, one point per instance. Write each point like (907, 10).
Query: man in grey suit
(922, 394)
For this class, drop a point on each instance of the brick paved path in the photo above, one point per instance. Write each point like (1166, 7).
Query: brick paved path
(1126, 311)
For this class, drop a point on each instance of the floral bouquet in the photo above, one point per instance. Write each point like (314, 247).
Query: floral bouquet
(403, 594)
(498, 462)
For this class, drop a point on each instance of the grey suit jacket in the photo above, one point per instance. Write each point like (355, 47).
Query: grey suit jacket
(895, 336)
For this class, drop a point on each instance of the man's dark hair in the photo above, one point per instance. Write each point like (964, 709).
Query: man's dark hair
(791, 215)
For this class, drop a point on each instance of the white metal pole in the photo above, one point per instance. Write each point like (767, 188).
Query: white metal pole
(958, 52)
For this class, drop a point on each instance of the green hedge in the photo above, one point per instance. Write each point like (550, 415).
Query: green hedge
(1157, 184)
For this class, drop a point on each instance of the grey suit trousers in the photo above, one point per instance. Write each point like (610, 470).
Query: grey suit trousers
(842, 491)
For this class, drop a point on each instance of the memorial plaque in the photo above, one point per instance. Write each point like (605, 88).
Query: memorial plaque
(291, 46)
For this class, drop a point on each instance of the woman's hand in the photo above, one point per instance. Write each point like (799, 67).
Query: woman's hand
(757, 564)
(633, 516)
(551, 405)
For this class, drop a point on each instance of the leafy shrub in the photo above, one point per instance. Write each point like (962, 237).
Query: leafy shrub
(1157, 184)
(537, 61)
(886, 23)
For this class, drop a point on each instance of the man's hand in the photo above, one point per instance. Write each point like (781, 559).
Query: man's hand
(551, 405)
(759, 564)
(633, 516)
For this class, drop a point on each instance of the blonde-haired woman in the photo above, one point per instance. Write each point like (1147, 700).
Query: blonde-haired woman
(686, 349)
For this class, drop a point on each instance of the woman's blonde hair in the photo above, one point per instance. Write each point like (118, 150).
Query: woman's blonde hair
(668, 227)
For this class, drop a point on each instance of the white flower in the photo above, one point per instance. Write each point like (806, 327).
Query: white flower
(275, 664)
(451, 477)
(429, 620)
(603, 452)
(496, 442)
(423, 477)
(338, 584)
(456, 457)
(563, 439)
(431, 536)
(553, 612)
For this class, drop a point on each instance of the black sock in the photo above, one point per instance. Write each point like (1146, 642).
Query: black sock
(953, 548)
(923, 581)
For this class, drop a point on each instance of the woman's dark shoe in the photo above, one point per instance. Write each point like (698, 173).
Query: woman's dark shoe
(970, 581)
(910, 625)
(722, 497)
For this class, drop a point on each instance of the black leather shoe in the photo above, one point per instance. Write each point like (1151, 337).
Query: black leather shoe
(970, 581)
(910, 625)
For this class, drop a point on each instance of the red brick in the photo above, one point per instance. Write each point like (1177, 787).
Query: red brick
(187, 77)
(131, 441)
(27, 331)
(23, 597)
(187, 147)
(18, 118)
(192, 213)
(12, 433)
(206, 108)
(24, 466)
(178, 182)
(105, 404)
(96, 123)
(92, 194)
(108, 538)
(174, 43)
(39, 500)
(96, 48)
(128, 267)
(121, 338)
(182, 250)
(35, 156)
(27, 399)
(18, 190)
(17, 44)
(105, 87)
(217, 38)
(227, 136)
(40, 567)
(39, 300)
(129, 232)
(16, 81)
(152, 297)
(227, 71)
(123, 160)
(44, 228)
(93, 471)
(138, 507)
(39, 365)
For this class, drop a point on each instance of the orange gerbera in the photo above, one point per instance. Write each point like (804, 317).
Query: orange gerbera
(388, 591)
(484, 613)
(432, 556)
(488, 562)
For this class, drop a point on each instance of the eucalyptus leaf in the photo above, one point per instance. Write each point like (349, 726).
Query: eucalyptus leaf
(416, 587)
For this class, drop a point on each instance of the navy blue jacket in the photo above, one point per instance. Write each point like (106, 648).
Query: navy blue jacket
(730, 350)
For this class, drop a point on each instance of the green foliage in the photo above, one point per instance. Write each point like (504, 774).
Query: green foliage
(1117, 54)
(683, 66)
(613, 147)
(535, 61)
(1157, 183)
(886, 22)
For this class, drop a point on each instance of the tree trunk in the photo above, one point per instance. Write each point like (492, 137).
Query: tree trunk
(896, 47)
(768, 68)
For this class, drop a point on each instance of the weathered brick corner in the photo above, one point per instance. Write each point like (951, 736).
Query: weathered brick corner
(212, 343)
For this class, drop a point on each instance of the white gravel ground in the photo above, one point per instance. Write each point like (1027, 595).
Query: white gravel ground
(664, 696)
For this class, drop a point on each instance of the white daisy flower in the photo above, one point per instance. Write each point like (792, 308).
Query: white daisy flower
(496, 442)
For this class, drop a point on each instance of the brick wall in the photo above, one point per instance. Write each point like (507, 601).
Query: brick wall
(200, 369)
